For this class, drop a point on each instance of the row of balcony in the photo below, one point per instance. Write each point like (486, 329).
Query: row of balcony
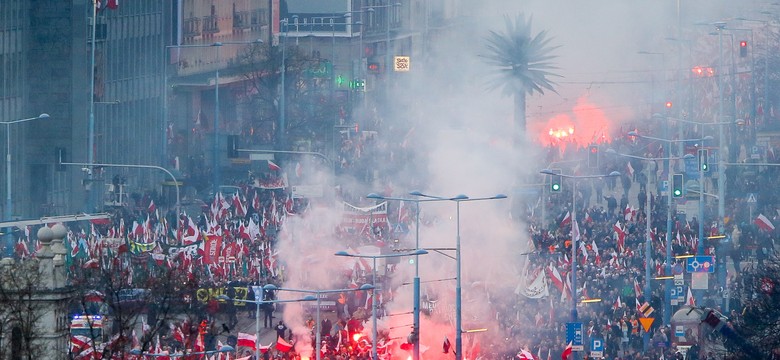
(242, 20)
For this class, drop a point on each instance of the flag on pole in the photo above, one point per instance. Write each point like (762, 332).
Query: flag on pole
(247, 340)
(764, 223)
(282, 345)
(565, 220)
(273, 166)
(690, 300)
(446, 347)
(567, 351)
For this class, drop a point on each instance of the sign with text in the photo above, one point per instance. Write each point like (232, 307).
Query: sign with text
(596, 347)
(574, 336)
(401, 63)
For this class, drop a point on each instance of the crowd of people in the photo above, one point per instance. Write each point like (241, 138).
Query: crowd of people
(610, 239)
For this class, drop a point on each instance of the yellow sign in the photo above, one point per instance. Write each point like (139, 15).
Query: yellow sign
(401, 63)
(646, 322)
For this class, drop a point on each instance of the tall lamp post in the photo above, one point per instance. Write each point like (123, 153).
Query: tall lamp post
(215, 148)
(575, 237)
(318, 293)
(8, 191)
(416, 281)
(458, 305)
(372, 9)
(257, 312)
(374, 304)
(668, 268)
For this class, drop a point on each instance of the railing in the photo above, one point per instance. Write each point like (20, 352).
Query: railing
(210, 24)
(191, 27)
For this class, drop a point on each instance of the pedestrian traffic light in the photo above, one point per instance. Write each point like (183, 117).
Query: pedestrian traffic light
(677, 185)
(743, 48)
(555, 180)
(374, 68)
(704, 156)
(593, 156)
(59, 158)
(232, 150)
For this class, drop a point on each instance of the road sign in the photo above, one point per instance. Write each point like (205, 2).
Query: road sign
(401, 63)
(751, 198)
(646, 322)
(701, 264)
(677, 269)
(574, 336)
(596, 347)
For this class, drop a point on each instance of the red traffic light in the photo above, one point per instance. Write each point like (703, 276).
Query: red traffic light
(668, 104)
(743, 43)
(594, 149)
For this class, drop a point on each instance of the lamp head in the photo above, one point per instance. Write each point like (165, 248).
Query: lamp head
(43, 116)
(420, 252)
(309, 298)
(547, 172)
(218, 43)
(366, 287)
(270, 287)
(614, 173)
(416, 193)
(226, 348)
(223, 297)
(135, 352)
(375, 196)
(459, 197)
(342, 253)
(632, 133)
(708, 138)
(500, 196)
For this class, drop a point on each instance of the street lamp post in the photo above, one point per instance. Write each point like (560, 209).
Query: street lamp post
(215, 148)
(387, 41)
(8, 191)
(317, 293)
(257, 311)
(374, 304)
(175, 182)
(458, 305)
(416, 281)
(575, 237)
(668, 268)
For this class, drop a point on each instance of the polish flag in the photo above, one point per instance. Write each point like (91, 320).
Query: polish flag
(764, 223)
(618, 303)
(567, 351)
(689, 300)
(566, 219)
(637, 288)
(555, 277)
(525, 355)
(273, 166)
(246, 340)
(282, 345)
(264, 348)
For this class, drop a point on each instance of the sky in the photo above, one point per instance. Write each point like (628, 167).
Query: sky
(461, 143)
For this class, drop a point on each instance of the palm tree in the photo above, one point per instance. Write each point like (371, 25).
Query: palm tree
(522, 61)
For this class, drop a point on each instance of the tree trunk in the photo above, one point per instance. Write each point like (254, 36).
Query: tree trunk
(519, 123)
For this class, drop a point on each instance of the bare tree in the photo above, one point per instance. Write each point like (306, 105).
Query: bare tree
(21, 310)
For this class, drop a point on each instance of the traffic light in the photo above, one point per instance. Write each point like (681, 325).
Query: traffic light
(59, 158)
(339, 80)
(555, 180)
(374, 68)
(232, 149)
(668, 105)
(743, 48)
(593, 156)
(677, 185)
(704, 156)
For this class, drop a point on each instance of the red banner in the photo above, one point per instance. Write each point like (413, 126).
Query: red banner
(212, 249)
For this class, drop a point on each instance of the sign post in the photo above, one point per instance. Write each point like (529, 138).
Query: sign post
(574, 336)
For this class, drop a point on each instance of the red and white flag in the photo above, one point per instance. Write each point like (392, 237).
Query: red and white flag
(567, 351)
(247, 340)
(273, 166)
(566, 220)
(630, 169)
(525, 355)
(764, 223)
(689, 300)
(618, 303)
(282, 345)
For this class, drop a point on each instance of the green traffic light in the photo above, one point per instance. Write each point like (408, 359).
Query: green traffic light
(677, 192)
(556, 187)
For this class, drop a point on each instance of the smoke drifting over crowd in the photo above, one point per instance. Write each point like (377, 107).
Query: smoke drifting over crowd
(457, 132)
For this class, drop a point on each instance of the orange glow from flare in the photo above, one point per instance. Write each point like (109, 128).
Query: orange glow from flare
(585, 124)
